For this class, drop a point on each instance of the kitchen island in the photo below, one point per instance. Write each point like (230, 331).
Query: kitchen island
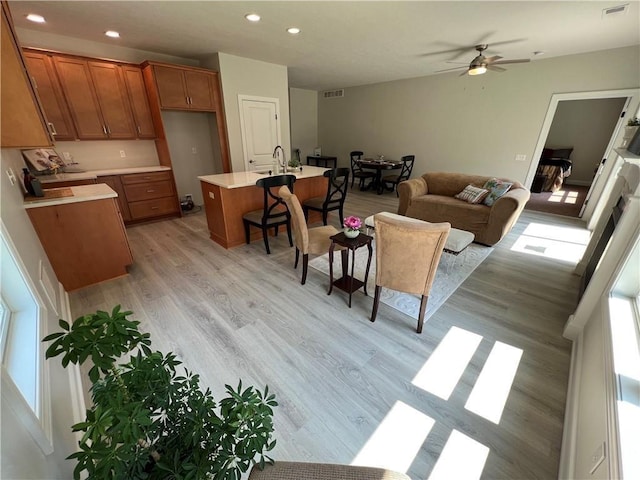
(228, 196)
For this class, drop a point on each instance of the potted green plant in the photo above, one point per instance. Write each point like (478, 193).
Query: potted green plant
(630, 130)
(149, 420)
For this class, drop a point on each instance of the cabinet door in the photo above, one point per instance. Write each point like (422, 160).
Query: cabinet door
(115, 183)
(139, 101)
(113, 100)
(171, 87)
(22, 120)
(75, 78)
(50, 92)
(199, 90)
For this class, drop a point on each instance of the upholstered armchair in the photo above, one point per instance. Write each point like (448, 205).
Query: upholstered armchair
(322, 471)
(407, 255)
(314, 241)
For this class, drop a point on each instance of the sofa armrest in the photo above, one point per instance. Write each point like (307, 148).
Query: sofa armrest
(408, 190)
(504, 213)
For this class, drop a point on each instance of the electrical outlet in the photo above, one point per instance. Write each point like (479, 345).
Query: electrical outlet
(212, 195)
(122, 154)
(188, 196)
(12, 176)
(194, 150)
(67, 156)
(521, 157)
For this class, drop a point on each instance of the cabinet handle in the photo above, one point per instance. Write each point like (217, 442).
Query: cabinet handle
(52, 128)
(147, 178)
(187, 98)
(139, 130)
(108, 130)
(104, 129)
(151, 190)
(155, 208)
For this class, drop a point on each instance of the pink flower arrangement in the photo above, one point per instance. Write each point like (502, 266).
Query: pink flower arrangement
(352, 223)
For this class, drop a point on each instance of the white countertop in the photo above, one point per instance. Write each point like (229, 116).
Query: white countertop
(246, 179)
(94, 174)
(81, 193)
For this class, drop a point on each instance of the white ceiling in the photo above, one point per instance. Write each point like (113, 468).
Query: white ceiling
(344, 44)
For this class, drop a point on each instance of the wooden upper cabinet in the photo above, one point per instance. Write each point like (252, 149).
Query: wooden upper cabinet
(75, 78)
(139, 101)
(22, 119)
(185, 88)
(47, 85)
(113, 100)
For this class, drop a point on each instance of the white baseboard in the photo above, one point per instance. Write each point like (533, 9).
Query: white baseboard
(567, 465)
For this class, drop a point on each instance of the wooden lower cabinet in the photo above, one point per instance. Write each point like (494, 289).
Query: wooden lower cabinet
(85, 242)
(144, 196)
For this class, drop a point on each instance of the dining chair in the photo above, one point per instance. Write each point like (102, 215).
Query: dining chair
(405, 173)
(357, 171)
(338, 180)
(408, 251)
(314, 241)
(274, 211)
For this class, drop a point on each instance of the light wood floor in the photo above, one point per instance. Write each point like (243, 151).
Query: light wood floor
(240, 313)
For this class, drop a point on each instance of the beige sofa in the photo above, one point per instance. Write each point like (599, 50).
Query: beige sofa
(431, 198)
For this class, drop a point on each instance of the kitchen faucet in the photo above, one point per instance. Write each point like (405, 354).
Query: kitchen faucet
(276, 155)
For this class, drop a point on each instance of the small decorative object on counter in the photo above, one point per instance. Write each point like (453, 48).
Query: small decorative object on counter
(27, 178)
(352, 226)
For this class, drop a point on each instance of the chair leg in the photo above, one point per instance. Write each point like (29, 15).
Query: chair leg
(324, 216)
(305, 262)
(305, 210)
(295, 265)
(341, 213)
(289, 234)
(376, 301)
(265, 237)
(353, 179)
(246, 232)
(423, 309)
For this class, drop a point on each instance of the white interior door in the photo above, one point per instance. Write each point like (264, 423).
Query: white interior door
(260, 126)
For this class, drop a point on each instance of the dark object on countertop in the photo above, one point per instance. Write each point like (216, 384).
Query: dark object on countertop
(634, 144)
(37, 188)
(27, 178)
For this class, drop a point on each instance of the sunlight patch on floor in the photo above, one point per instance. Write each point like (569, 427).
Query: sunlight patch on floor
(442, 371)
(461, 458)
(491, 390)
(560, 243)
(397, 440)
(564, 196)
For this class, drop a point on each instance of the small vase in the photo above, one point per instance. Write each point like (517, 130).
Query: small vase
(351, 233)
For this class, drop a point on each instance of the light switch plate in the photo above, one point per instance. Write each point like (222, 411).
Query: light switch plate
(11, 175)
(122, 154)
(521, 157)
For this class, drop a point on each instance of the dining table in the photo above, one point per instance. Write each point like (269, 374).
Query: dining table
(379, 166)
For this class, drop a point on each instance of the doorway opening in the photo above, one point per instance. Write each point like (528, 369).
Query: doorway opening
(589, 125)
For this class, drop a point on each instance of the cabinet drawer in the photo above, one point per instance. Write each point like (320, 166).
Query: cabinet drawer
(148, 191)
(153, 208)
(145, 177)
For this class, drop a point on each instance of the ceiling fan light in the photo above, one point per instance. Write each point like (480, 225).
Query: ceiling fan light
(477, 70)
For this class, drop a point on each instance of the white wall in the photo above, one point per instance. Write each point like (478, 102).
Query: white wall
(304, 121)
(587, 126)
(243, 76)
(471, 125)
(186, 131)
(104, 154)
(21, 456)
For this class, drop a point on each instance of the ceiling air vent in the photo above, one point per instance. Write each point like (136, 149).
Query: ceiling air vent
(613, 11)
(333, 93)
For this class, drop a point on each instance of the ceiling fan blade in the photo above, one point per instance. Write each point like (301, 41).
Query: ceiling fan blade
(459, 63)
(493, 59)
(449, 69)
(493, 68)
(505, 62)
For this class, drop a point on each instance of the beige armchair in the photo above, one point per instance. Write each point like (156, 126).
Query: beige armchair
(307, 240)
(322, 471)
(407, 255)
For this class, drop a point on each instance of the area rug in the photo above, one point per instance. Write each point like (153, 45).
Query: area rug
(452, 271)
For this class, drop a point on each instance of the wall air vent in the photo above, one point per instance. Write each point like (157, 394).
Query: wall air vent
(613, 11)
(333, 93)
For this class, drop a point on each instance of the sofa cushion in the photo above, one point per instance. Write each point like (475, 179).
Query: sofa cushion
(472, 194)
(448, 184)
(442, 208)
(497, 188)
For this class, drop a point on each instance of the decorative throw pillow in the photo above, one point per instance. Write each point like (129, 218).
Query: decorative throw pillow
(472, 194)
(497, 188)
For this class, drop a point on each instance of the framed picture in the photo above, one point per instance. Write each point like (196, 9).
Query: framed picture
(41, 159)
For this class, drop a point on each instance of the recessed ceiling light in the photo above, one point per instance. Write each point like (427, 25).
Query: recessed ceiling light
(252, 17)
(35, 18)
(293, 30)
(112, 34)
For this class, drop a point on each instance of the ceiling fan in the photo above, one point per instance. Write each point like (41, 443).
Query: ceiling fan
(481, 64)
